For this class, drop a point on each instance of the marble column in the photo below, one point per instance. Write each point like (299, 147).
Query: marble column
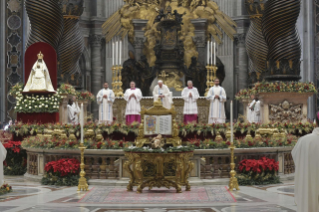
(96, 63)
(241, 66)
(200, 39)
(139, 37)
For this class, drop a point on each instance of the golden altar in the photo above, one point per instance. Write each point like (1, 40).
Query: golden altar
(158, 170)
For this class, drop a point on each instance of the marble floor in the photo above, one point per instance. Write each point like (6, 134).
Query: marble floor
(31, 196)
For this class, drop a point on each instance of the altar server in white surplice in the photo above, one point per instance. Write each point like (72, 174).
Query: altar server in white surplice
(105, 99)
(306, 157)
(162, 92)
(133, 97)
(3, 154)
(76, 110)
(251, 111)
(71, 112)
(190, 96)
(257, 111)
(217, 97)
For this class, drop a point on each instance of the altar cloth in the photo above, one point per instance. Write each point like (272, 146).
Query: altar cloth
(41, 118)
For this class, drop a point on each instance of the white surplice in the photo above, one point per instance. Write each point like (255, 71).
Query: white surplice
(190, 103)
(76, 109)
(133, 106)
(167, 101)
(105, 105)
(71, 116)
(251, 115)
(257, 113)
(3, 154)
(306, 157)
(217, 106)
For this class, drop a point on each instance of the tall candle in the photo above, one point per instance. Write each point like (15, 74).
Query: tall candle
(231, 123)
(214, 53)
(117, 53)
(113, 55)
(207, 52)
(120, 56)
(82, 123)
(211, 53)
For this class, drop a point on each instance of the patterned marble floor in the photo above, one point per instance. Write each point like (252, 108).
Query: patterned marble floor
(31, 196)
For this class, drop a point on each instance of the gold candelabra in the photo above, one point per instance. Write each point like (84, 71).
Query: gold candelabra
(117, 80)
(83, 185)
(233, 183)
(211, 76)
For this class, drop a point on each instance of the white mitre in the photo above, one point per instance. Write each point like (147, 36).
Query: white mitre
(39, 79)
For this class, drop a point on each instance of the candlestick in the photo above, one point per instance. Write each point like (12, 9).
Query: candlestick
(120, 56)
(117, 53)
(113, 56)
(207, 52)
(214, 53)
(231, 123)
(211, 53)
(82, 123)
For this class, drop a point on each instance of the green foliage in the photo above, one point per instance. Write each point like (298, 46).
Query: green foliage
(70, 180)
(258, 179)
(15, 163)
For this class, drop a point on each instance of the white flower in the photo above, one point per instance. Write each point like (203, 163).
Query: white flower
(179, 147)
(46, 106)
(18, 103)
(20, 108)
(15, 107)
(36, 106)
(40, 106)
(29, 107)
(131, 147)
(162, 149)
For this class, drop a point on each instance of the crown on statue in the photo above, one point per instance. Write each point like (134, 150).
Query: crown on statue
(40, 56)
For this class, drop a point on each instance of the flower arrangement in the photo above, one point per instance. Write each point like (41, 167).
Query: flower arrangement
(85, 95)
(16, 160)
(64, 172)
(5, 188)
(67, 89)
(16, 89)
(258, 172)
(274, 87)
(161, 150)
(37, 103)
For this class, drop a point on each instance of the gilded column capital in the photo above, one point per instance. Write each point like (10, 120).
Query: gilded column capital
(240, 38)
(96, 40)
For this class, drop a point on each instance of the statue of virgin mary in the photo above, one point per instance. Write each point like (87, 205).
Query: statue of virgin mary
(39, 79)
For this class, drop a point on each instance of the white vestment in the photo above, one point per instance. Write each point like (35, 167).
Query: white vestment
(77, 110)
(251, 113)
(190, 103)
(306, 157)
(105, 105)
(133, 106)
(217, 106)
(71, 115)
(257, 113)
(39, 79)
(3, 154)
(167, 101)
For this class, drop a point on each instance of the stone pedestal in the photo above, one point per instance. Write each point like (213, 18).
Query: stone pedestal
(284, 111)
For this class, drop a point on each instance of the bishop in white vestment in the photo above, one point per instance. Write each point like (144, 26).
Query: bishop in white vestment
(190, 96)
(133, 97)
(105, 99)
(3, 154)
(306, 157)
(217, 97)
(162, 92)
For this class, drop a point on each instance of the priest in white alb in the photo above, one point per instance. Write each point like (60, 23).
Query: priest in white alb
(306, 157)
(190, 95)
(251, 112)
(162, 92)
(105, 99)
(217, 97)
(133, 97)
(3, 154)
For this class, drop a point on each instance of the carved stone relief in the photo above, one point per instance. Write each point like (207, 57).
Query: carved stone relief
(285, 112)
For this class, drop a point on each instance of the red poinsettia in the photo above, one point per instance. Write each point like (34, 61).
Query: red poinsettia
(63, 167)
(15, 146)
(258, 166)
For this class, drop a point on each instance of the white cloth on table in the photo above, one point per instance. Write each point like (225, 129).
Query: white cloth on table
(133, 106)
(217, 106)
(3, 154)
(105, 105)
(306, 157)
(190, 103)
(167, 101)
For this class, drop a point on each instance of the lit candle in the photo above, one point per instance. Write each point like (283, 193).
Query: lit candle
(214, 54)
(211, 53)
(82, 123)
(231, 123)
(120, 56)
(207, 52)
(117, 53)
